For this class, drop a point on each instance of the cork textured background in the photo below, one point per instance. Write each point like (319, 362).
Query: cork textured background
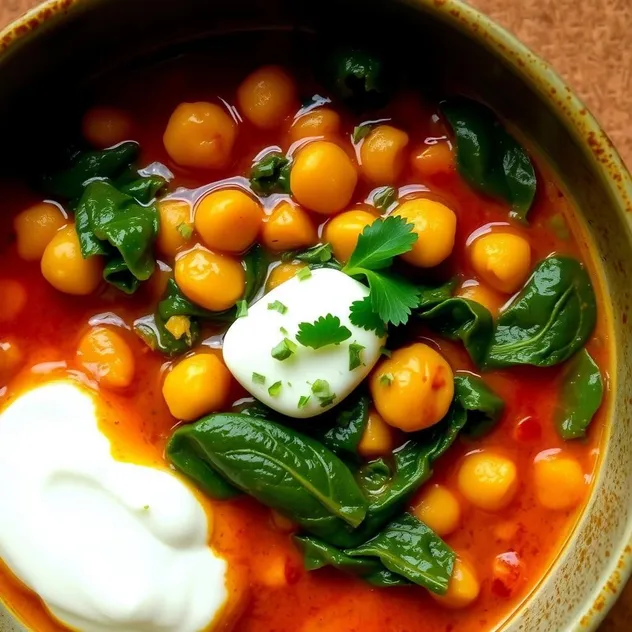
(589, 43)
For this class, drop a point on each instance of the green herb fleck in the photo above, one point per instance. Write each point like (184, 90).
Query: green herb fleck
(284, 349)
(275, 389)
(383, 199)
(303, 273)
(257, 378)
(277, 306)
(322, 392)
(283, 330)
(303, 400)
(386, 379)
(145, 507)
(185, 230)
(326, 330)
(242, 309)
(360, 132)
(355, 355)
(386, 352)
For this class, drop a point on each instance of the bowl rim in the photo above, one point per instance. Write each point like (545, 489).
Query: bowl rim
(570, 111)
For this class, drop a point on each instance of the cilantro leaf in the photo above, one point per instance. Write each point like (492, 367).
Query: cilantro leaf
(392, 298)
(355, 355)
(379, 243)
(322, 392)
(363, 316)
(285, 349)
(326, 330)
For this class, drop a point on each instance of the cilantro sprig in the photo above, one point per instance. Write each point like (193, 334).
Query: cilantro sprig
(391, 297)
(326, 330)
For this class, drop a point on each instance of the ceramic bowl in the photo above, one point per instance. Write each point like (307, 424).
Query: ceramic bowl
(45, 53)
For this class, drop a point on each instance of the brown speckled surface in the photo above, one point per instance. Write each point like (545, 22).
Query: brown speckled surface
(589, 42)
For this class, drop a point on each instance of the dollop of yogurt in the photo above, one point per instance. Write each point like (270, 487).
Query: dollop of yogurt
(107, 545)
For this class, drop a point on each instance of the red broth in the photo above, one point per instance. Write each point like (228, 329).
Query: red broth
(510, 550)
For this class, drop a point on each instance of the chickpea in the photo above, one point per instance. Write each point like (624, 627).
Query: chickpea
(463, 588)
(559, 480)
(288, 228)
(434, 160)
(435, 226)
(502, 260)
(322, 122)
(64, 267)
(11, 359)
(378, 437)
(323, 177)
(13, 299)
(105, 354)
(412, 389)
(35, 227)
(483, 295)
(176, 227)
(342, 232)
(228, 220)
(200, 135)
(106, 126)
(382, 154)
(282, 273)
(196, 386)
(488, 480)
(212, 281)
(267, 97)
(439, 508)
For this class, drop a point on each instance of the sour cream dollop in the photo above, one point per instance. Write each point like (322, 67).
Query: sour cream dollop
(107, 545)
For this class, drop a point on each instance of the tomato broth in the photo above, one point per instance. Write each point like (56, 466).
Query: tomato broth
(510, 549)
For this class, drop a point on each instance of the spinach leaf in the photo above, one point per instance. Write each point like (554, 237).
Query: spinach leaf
(151, 329)
(580, 397)
(255, 262)
(185, 456)
(281, 468)
(430, 296)
(106, 163)
(411, 549)
(110, 216)
(550, 319)
(344, 436)
(117, 273)
(488, 157)
(462, 319)
(144, 190)
(271, 174)
(359, 77)
(484, 408)
(318, 554)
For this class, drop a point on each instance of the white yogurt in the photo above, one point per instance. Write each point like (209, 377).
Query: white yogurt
(249, 342)
(107, 545)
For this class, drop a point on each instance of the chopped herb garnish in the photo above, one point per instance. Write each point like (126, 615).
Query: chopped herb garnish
(322, 392)
(355, 355)
(284, 349)
(386, 379)
(275, 389)
(360, 132)
(277, 306)
(145, 507)
(386, 352)
(242, 309)
(283, 330)
(326, 330)
(185, 230)
(257, 378)
(391, 297)
(383, 199)
(303, 400)
(303, 273)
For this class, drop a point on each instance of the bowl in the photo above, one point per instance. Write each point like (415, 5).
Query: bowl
(44, 53)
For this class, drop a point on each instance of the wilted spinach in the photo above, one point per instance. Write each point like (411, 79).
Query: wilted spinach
(151, 329)
(281, 468)
(488, 157)
(144, 189)
(580, 398)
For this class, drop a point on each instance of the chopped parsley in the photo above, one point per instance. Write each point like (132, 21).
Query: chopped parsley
(355, 355)
(386, 379)
(275, 389)
(303, 273)
(185, 230)
(284, 349)
(303, 400)
(322, 392)
(257, 378)
(242, 309)
(326, 330)
(277, 306)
